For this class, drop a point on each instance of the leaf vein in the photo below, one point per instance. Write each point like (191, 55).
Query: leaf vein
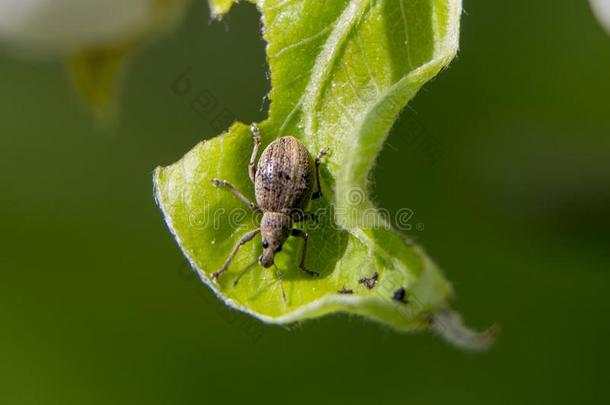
(300, 43)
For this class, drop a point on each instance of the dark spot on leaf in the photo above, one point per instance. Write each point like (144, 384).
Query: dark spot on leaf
(345, 291)
(369, 282)
(399, 295)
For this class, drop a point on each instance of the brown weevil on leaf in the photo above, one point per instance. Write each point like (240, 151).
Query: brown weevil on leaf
(283, 185)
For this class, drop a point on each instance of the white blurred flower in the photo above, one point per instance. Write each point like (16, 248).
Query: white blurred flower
(601, 8)
(61, 27)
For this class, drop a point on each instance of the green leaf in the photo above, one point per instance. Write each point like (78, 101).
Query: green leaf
(341, 72)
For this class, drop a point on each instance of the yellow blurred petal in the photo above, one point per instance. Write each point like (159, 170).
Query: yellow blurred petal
(96, 75)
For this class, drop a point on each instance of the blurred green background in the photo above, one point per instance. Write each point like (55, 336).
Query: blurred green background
(97, 305)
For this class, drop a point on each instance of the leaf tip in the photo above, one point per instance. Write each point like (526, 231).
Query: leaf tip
(450, 326)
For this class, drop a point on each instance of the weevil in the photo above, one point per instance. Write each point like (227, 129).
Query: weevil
(284, 181)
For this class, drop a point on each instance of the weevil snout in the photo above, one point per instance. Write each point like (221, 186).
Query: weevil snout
(266, 259)
(275, 229)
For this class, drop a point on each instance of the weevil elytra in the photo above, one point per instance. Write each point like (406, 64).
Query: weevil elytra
(284, 181)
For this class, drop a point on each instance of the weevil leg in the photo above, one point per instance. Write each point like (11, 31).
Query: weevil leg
(245, 239)
(256, 136)
(302, 234)
(236, 192)
(318, 193)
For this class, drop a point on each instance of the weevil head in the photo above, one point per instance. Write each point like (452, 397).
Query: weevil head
(275, 229)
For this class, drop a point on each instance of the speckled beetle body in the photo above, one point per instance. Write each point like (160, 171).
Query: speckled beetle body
(285, 176)
(284, 181)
